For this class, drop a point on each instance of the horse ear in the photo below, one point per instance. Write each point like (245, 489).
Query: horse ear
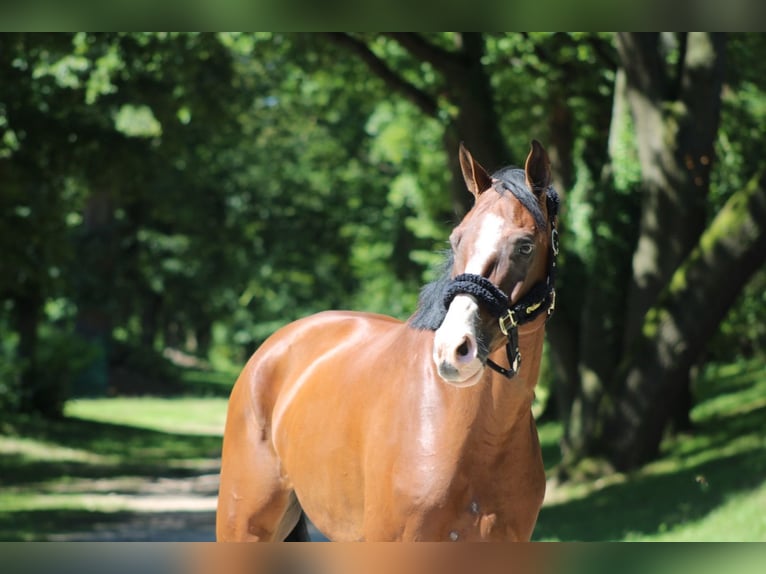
(477, 180)
(538, 168)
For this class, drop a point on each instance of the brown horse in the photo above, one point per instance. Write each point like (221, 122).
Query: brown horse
(379, 429)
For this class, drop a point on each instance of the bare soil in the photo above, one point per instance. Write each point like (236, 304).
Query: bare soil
(159, 509)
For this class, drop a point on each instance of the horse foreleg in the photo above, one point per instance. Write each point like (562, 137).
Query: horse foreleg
(254, 501)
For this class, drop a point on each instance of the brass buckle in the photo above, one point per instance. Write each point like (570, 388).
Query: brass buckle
(508, 322)
(531, 309)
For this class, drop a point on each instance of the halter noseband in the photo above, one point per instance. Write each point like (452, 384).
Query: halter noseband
(541, 297)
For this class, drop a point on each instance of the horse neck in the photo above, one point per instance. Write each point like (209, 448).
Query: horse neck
(512, 399)
(531, 340)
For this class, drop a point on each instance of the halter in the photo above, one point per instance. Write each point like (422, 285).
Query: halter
(540, 298)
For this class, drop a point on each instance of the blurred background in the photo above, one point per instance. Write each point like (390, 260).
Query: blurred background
(167, 201)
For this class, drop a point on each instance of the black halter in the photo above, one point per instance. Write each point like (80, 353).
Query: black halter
(540, 298)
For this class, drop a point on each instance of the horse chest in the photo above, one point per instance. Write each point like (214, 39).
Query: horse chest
(452, 498)
(462, 517)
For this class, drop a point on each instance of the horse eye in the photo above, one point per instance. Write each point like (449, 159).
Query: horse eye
(525, 249)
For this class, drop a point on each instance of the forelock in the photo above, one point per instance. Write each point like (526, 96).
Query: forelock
(514, 180)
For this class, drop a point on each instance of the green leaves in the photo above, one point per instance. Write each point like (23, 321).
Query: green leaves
(250, 179)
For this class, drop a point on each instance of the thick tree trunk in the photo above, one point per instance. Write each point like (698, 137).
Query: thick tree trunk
(676, 120)
(676, 330)
(596, 341)
(476, 123)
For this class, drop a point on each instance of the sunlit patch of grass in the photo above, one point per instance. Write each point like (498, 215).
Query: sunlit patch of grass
(185, 415)
(209, 383)
(118, 443)
(741, 517)
(31, 449)
(709, 484)
(82, 470)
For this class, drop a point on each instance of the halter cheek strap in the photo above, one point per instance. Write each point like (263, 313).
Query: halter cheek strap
(539, 299)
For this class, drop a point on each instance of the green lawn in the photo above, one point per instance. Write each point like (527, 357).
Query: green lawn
(46, 467)
(708, 485)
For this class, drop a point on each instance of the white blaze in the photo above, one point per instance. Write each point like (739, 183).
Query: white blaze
(486, 244)
(457, 331)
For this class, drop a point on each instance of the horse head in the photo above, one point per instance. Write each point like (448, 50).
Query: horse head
(502, 252)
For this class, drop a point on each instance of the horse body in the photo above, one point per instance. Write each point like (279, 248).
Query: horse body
(350, 418)
(392, 466)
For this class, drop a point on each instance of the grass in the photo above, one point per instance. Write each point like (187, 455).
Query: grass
(708, 485)
(180, 416)
(44, 464)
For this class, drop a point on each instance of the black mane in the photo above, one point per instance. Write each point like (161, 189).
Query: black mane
(431, 310)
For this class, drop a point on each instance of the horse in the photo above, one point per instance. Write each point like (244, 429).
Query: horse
(382, 430)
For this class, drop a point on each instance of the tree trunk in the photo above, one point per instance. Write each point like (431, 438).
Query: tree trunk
(618, 384)
(468, 86)
(595, 344)
(676, 120)
(562, 330)
(675, 115)
(151, 306)
(27, 312)
(96, 253)
(676, 330)
(476, 123)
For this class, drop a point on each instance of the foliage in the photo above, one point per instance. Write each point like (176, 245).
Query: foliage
(62, 357)
(10, 373)
(739, 151)
(198, 191)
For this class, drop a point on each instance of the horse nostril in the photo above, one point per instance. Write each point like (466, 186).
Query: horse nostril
(463, 349)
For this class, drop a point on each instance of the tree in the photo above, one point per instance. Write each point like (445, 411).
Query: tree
(172, 184)
(631, 323)
(98, 132)
(200, 190)
(37, 194)
(465, 84)
(685, 276)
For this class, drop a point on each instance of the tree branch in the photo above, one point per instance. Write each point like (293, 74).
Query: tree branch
(448, 63)
(377, 66)
(730, 250)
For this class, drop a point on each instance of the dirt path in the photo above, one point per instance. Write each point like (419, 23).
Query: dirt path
(160, 509)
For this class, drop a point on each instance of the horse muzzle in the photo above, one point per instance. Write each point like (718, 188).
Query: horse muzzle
(457, 352)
